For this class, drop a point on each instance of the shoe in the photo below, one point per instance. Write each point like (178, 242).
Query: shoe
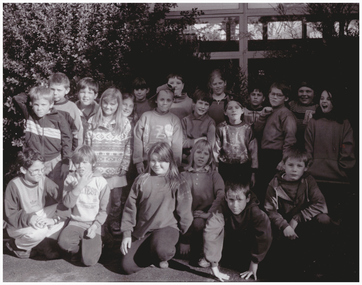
(48, 247)
(204, 263)
(116, 228)
(21, 253)
(163, 264)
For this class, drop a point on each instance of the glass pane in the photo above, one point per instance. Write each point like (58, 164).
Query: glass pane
(255, 29)
(313, 32)
(284, 30)
(205, 6)
(352, 28)
(217, 29)
(262, 5)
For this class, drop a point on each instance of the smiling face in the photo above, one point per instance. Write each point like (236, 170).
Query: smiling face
(234, 112)
(160, 168)
(141, 93)
(325, 102)
(305, 95)
(83, 167)
(177, 85)
(109, 107)
(86, 96)
(59, 91)
(34, 173)
(256, 98)
(236, 200)
(218, 86)
(127, 107)
(201, 158)
(276, 97)
(41, 107)
(164, 101)
(201, 108)
(294, 169)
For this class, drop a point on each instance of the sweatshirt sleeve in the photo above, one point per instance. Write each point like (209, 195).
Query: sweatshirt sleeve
(214, 238)
(290, 130)
(16, 216)
(187, 143)
(211, 133)
(259, 125)
(252, 149)
(271, 208)
(138, 140)
(309, 137)
(78, 123)
(104, 206)
(263, 234)
(127, 149)
(69, 199)
(346, 154)
(66, 138)
(219, 191)
(316, 201)
(183, 206)
(177, 141)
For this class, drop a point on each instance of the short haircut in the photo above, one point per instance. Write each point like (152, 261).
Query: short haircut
(298, 153)
(84, 153)
(202, 95)
(204, 145)
(177, 75)
(41, 92)
(231, 98)
(139, 83)
(281, 86)
(216, 73)
(257, 87)
(88, 82)
(59, 78)
(27, 157)
(243, 186)
(168, 91)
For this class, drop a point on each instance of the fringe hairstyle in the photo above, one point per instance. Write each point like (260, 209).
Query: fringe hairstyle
(163, 152)
(98, 119)
(203, 144)
(84, 153)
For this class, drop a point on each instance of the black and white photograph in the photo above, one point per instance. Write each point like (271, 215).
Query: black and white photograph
(180, 142)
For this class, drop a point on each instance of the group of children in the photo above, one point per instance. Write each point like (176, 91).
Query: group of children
(203, 171)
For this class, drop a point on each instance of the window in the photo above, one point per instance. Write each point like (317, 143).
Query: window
(313, 30)
(284, 30)
(255, 28)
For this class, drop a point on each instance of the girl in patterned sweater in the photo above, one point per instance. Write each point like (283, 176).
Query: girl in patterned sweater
(109, 135)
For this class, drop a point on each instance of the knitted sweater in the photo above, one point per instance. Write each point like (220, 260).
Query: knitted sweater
(299, 200)
(251, 221)
(279, 129)
(22, 199)
(113, 150)
(331, 145)
(236, 144)
(152, 205)
(154, 127)
(91, 206)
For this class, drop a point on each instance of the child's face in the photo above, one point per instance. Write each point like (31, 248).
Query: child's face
(109, 107)
(160, 168)
(201, 107)
(34, 173)
(305, 95)
(59, 91)
(236, 200)
(41, 107)
(256, 98)
(83, 167)
(234, 111)
(86, 96)
(218, 86)
(177, 84)
(141, 94)
(164, 102)
(325, 102)
(294, 169)
(127, 107)
(276, 97)
(201, 157)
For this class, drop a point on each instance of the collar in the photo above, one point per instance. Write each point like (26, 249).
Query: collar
(204, 169)
(62, 103)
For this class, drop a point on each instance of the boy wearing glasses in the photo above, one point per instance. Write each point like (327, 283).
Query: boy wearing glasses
(278, 127)
(31, 204)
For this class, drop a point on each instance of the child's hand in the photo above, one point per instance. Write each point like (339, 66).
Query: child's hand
(33, 222)
(140, 168)
(266, 111)
(290, 233)
(126, 244)
(201, 214)
(253, 268)
(91, 232)
(184, 248)
(85, 178)
(280, 166)
(43, 222)
(220, 276)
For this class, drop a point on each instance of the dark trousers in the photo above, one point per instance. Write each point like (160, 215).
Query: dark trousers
(235, 172)
(159, 245)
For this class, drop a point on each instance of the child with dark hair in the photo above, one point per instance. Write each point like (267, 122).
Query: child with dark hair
(31, 203)
(253, 110)
(239, 234)
(236, 148)
(87, 196)
(158, 208)
(199, 124)
(140, 90)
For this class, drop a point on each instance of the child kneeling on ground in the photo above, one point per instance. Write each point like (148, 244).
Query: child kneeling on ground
(31, 202)
(88, 198)
(239, 229)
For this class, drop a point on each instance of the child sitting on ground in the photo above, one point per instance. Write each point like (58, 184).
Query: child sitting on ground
(31, 203)
(239, 234)
(158, 208)
(199, 124)
(88, 198)
(207, 188)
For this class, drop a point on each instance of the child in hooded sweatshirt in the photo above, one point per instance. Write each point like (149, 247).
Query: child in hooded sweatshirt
(239, 234)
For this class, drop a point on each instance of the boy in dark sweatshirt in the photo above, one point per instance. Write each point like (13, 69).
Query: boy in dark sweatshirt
(240, 229)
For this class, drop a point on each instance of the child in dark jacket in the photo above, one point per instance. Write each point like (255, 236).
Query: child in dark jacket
(240, 229)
